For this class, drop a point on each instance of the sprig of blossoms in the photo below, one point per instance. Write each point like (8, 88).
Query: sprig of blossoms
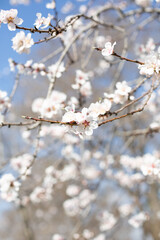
(10, 17)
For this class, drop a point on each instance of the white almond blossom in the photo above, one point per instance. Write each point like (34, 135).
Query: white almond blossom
(22, 164)
(72, 190)
(143, 3)
(40, 194)
(42, 21)
(84, 121)
(100, 108)
(15, 2)
(107, 221)
(71, 207)
(82, 83)
(50, 106)
(22, 43)
(121, 93)
(108, 50)
(67, 7)
(86, 89)
(10, 17)
(53, 71)
(57, 236)
(4, 101)
(9, 187)
(51, 5)
(151, 66)
(138, 220)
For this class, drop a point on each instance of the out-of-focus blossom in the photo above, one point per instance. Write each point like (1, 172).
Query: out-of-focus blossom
(121, 93)
(22, 164)
(15, 2)
(57, 237)
(68, 6)
(51, 5)
(100, 237)
(9, 187)
(40, 194)
(72, 190)
(50, 106)
(22, 43)
(137, 220)
(53, 71)
(107, 221)
(4, 101)
(143, 3)
(125, 209)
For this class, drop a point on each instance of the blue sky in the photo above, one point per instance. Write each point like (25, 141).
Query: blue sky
(28, 14)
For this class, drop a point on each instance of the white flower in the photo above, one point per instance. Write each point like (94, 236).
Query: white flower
(100, 108)
(85, 122)
(85, 198)
(100, 237)
(67, 7)
(22, 164)
(90, 172)
(14, 2)
(9, 187)
(137, 220)
(121, 94)
(51, 5)
(22, 43)
(38, 68)
(125, 209)
(107, 221)
(53, 70)
(4, 101)
(143, 3)
(86, 89)
(42, 21)
(72, 190)
(37, 104)
(40, 194)
(53, 105)
(11, 64)
(108, 50)
(10, 17)
(71, 207)
(57, 237)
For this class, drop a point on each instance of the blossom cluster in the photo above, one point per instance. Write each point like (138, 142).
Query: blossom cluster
(83, 123)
